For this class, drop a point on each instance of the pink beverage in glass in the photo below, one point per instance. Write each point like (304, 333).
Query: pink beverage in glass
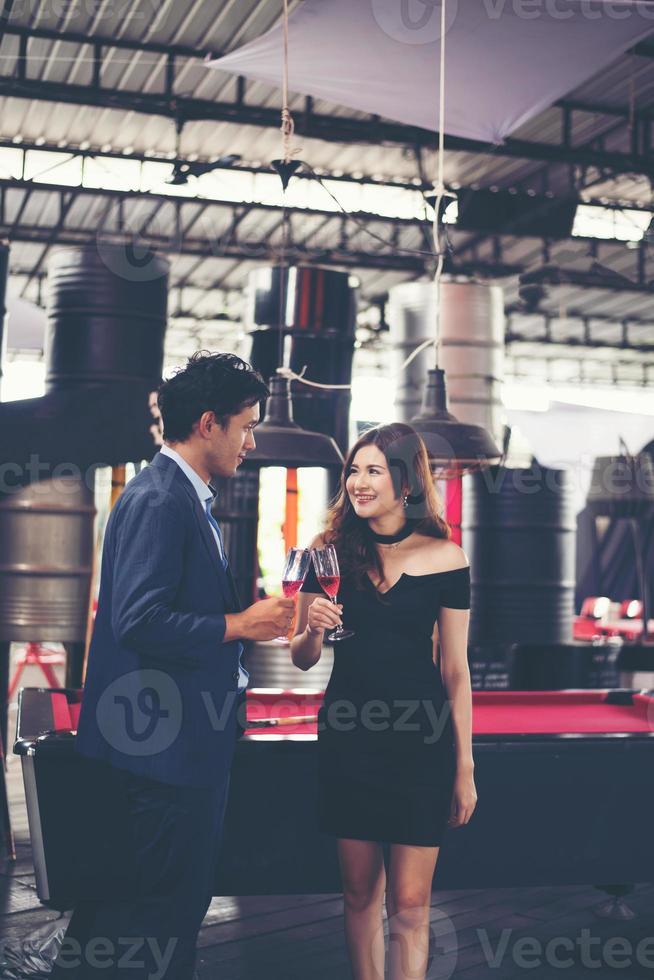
(293, 576)
(330, 583)
(325, 563)
(291, 588)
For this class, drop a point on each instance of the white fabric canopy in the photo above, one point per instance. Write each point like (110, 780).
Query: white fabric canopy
(506, 60)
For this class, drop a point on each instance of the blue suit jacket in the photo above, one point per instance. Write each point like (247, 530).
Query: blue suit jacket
(161, 694)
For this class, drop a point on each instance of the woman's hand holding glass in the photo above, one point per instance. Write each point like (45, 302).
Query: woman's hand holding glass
(323, 615)
(325, 563)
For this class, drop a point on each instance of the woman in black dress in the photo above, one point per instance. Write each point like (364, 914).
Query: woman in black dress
(394, 742)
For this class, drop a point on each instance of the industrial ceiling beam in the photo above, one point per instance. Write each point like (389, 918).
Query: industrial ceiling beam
(344, 247)
(604, 108)
(5, 16)
(251, 250)
(589, 370)
(550, 276)
(587, 336)
(171, 160)
(337, 129)
(120, 43)
(246, 250)
(33, 186)
(66, 202)
(643, 49)
(72, 152)
(360, 217)
(588, 319)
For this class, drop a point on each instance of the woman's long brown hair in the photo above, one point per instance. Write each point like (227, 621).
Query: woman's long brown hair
(408, 464)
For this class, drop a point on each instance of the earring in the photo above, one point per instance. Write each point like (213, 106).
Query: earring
(405, 500)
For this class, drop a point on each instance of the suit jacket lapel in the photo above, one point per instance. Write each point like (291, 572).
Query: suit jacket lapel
(200, 517)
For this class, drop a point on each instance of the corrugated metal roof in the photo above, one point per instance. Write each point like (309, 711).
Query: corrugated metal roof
(211, 285)
(206, 27)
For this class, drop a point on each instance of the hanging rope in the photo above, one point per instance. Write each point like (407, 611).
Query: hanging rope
(288, 126)
(288, 373)
(288, 129)
(440, 186)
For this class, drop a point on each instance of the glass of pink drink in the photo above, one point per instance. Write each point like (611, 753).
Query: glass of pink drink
(295, 571)
(325, 563)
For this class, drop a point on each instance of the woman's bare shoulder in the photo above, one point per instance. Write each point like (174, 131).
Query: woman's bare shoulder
(442, 555)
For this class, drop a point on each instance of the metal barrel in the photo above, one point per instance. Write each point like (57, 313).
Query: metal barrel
(519, 533)
(470, 332)
(236, 510)
(106, 317)
(270, 665)
(413, 318)
(471, 352)
(314, 311)
(46, 559)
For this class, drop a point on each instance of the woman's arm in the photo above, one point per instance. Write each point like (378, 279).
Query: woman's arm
(306, 645)
(452, 633)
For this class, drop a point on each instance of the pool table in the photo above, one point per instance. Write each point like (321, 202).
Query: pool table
(566, 796)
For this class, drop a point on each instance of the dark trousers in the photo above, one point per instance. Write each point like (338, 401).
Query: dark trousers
(152, 933)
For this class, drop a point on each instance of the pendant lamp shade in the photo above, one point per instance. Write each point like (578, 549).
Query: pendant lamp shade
(622, 486)
(282, 442)
(454, 447)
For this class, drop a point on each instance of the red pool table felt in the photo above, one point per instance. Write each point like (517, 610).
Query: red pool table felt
(494, 713)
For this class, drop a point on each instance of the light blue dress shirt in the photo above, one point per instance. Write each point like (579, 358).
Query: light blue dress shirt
(205, 494)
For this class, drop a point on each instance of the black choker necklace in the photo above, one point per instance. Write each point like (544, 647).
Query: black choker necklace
(400, 535)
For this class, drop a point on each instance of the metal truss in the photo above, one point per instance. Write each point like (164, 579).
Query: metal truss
(73, 152)
(623, 355)
(587, 369)
(186, 219)
(372, 130)
(582, 330)
(396, 255)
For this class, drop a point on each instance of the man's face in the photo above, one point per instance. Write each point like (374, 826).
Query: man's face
(227, 448)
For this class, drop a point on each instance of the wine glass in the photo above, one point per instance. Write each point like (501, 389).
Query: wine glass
(295, 571)
(328, 574)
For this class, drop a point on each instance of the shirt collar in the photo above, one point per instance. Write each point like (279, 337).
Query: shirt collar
(204, 490)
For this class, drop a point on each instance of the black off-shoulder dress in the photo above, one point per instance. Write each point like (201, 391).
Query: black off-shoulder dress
(385, 735)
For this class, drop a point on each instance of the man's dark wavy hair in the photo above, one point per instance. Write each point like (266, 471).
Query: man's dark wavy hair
(220, 383)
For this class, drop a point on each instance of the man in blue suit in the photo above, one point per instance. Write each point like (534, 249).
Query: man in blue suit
(165, 682)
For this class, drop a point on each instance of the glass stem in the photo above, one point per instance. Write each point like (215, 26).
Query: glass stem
(339, 629)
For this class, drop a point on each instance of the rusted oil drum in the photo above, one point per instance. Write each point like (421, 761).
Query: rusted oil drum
(46, 559)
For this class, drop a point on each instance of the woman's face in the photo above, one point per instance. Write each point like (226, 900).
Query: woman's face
(369, 485)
